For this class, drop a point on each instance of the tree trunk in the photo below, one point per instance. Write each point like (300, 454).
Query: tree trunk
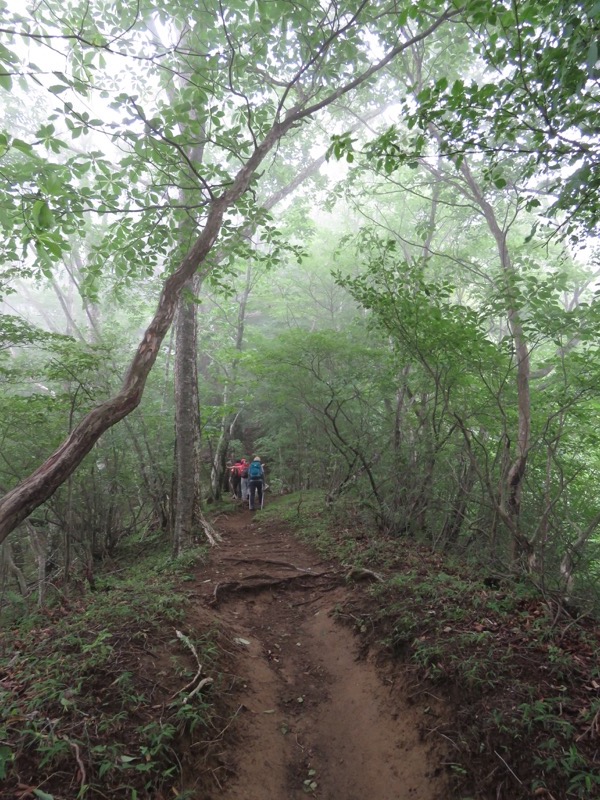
(11, 568)
(187, 426)
(39, 545)
(516, 472)
(454, 521)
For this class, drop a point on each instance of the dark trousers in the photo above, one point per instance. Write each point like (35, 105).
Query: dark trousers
(236, 485)
(255, 485)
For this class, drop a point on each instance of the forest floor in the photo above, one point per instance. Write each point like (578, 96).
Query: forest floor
(315, 715)
(307, 655)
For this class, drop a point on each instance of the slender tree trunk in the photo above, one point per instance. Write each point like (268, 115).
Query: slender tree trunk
(187, 427)
(454, 521)
(11, 568)
(516, 472)
(228, 421)
(39, 545)
(66, 303)
(573, 552)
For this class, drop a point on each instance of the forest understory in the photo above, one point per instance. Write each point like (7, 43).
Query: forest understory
(358, 243)
(300, 657)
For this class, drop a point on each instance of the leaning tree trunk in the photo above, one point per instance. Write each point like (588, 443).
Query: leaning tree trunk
(34, 490)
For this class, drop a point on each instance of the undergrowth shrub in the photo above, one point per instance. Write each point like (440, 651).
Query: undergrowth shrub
(91, 700)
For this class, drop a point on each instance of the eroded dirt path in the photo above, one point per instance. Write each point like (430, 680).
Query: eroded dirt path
(314, 718)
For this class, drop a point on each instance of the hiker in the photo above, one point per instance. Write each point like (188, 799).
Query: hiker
(245, 466)
(256, 478)
(236, 479)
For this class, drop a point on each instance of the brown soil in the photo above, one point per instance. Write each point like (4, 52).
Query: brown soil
(312, 715)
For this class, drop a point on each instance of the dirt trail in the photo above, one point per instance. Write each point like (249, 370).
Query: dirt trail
(314, 719)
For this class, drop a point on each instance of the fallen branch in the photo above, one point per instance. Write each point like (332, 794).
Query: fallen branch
(204, 682)
(185, 639)
(439, 733)
(360, 574)
(210, 532)
(82, 773)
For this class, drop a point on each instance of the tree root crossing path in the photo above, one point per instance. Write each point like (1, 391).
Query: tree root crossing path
(313, 715)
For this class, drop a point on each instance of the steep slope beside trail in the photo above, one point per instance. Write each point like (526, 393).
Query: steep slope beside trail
(313, 717)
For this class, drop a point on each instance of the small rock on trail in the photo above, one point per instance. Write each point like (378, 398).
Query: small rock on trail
(313, 718)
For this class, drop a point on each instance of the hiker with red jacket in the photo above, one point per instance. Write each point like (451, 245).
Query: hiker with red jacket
(236, 477)
(256, 479)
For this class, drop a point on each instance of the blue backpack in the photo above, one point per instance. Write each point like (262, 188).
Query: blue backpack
(255, 470)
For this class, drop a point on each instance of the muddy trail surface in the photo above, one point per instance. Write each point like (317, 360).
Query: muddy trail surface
(313, 716)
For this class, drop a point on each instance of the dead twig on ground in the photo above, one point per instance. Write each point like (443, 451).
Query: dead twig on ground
(80, 764)
(182, 637)
(360, 574)
(306, 602)
(203, 682)
(220, 735)
(443, 735)
(593, 728)
(508, 768)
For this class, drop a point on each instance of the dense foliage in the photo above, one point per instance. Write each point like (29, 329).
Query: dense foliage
(374, 225)
(391, 214)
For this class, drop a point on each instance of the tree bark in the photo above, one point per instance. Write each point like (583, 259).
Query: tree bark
(516, 472)
(39, 545)
(10, 567)
(187, 478)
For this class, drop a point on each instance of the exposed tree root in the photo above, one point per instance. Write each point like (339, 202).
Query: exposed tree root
(257, 582)
(307, 570)
(254, 583)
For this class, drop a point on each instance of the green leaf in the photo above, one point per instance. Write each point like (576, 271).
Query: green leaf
(52, 247)
(6, 81)
(592, 57)
(36, 210)
(43, 795)
(7, 56)
(6, 757)
(24, 147)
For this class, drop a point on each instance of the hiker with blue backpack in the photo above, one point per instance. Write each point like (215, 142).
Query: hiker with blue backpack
(256, 479)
